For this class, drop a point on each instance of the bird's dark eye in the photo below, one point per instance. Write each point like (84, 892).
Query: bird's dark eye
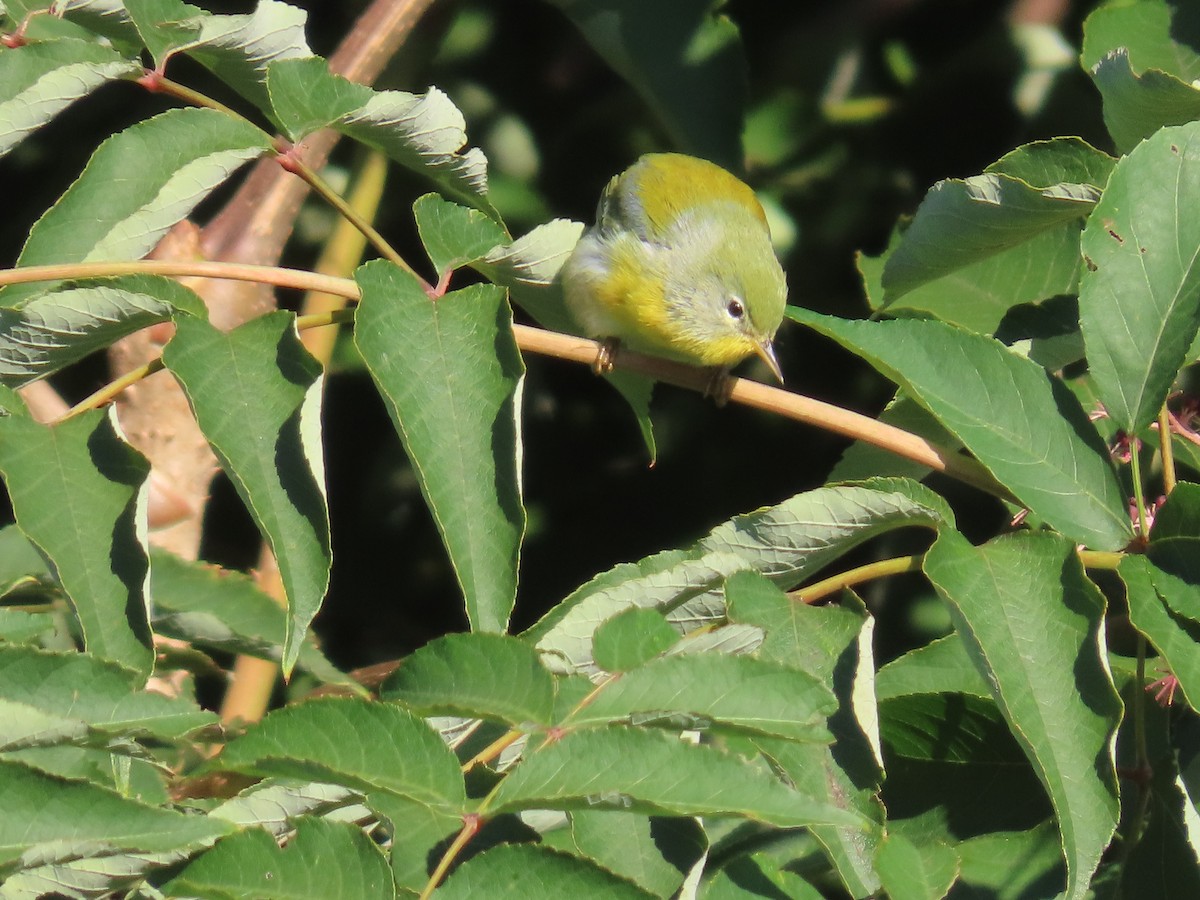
(736, 308)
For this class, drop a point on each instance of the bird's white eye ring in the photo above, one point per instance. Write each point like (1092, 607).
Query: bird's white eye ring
(736, 308)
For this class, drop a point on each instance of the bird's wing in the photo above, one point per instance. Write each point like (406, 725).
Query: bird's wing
(652, 194)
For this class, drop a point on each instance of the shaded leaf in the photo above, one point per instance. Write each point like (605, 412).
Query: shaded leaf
(1154, 598)
(961, 222)
(1032, 622)
(685, 60)
(77, 493)
(942, 666)
(655, 853)
(1013, 864)
(256, 393)
(978, 295)
(912, 872)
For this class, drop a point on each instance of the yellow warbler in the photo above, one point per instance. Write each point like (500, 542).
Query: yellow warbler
(679, 264)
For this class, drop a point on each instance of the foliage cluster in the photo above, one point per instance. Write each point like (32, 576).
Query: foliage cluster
(704, 722)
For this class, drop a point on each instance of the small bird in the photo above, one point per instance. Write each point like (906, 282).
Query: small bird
(679, 264)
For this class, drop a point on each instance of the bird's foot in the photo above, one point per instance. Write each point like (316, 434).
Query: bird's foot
(720, 385)
(606, 357)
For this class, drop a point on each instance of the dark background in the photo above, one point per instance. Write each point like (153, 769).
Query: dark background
(556, 123)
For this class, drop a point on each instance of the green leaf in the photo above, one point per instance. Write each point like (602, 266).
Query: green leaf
(357, 743)
(685, 60)
(40, 80)
(653, 852)
(90, 876)
(526, 872)
(940, 667)
(1139, 300)
(323, 860)
(1010, 865)
(1136, 106)
(978, 295)
(834, 644)
(809, 638)
(1144, 61)
(1158, 34)
(450, 373)
(705, 690)
(164, 25)
(51, 819)
(863, 460)
(422, 829)
(631, 638)
(912, 872)
(77, 493)
(53, 329)
(306, 96)
(528, 267)
(1050, 165)
(650, 772)
(1179, 516)
(134, 778)
(947, 727)
(20, 627)
(164, 166)
(240, 49)
(23, 726)
(103, 696)
(757, 876)
(1154, 598)
(961, 222)
(225, 610)
(274, 804)
(108, 18)
(256, 393)
(785, 542)
(425, 133)
(1163, 862)
(453, 235)
(1023, 425)
(20, 562)
(981, 246)
(488, 676)
(1032, 622)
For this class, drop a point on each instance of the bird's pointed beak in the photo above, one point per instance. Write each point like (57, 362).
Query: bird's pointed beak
(766, 352)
